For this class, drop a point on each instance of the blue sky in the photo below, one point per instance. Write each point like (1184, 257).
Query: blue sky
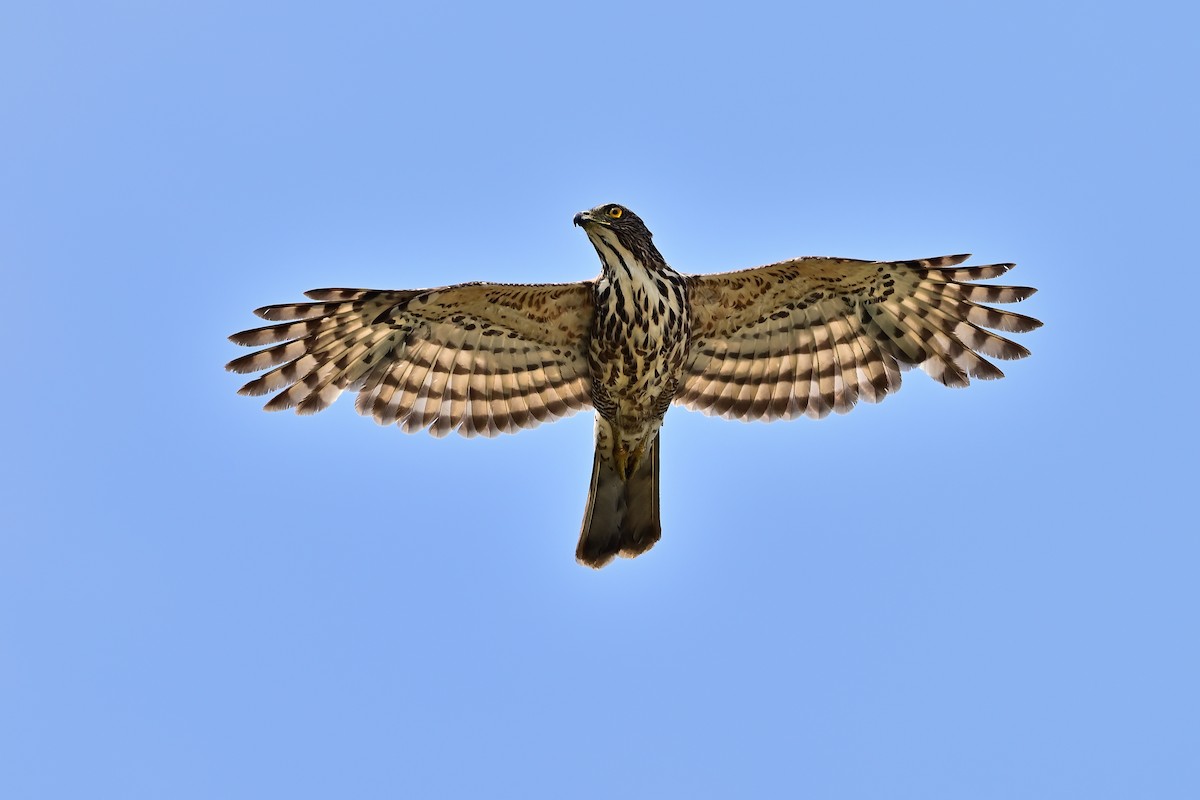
(979, 593)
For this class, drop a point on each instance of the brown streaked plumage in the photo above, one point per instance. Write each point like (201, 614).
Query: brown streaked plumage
(801, 337)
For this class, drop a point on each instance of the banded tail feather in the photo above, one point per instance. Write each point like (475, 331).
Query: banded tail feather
(621, 517)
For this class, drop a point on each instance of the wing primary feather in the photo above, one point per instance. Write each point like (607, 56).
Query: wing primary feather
(428, 393)
(820, 403)
(803, 369)
(727, 382)
(750, 377)
(940, 347)
(847, 362)
(983, 272)
(398, 398)
(417, 386)
(291, 377)
(461, 410)
(762, 402)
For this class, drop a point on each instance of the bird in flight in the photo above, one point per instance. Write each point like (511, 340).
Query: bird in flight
(801, 337)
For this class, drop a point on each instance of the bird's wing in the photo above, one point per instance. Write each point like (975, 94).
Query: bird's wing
(482, 358)
(815, 335)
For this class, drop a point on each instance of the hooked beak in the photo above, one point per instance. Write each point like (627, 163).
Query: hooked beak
(583, 217)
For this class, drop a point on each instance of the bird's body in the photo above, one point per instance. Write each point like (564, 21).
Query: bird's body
(800, 337)
(640, 336)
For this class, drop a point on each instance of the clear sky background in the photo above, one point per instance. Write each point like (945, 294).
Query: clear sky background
(985, 593)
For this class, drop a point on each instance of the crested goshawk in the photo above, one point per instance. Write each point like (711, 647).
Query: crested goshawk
(800, 337)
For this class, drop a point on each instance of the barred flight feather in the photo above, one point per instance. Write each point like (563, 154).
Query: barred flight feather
(477, 358)
(815, 335)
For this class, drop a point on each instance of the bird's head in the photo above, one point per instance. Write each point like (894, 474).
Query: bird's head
(614, 216)
(612, 224)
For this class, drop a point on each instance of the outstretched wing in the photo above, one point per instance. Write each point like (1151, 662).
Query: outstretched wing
(815, 335)
(482, 358)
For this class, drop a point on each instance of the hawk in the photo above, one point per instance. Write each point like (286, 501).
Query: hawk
(801, 337)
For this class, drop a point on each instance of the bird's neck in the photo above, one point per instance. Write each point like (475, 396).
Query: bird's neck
(628, 262)
(641, 302)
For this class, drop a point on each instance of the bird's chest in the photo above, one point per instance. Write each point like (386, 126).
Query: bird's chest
(640, 335)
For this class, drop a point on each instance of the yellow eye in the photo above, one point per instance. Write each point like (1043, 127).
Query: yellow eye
(615, 212)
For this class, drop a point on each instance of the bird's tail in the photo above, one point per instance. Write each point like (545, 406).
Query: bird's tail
(621, 518)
